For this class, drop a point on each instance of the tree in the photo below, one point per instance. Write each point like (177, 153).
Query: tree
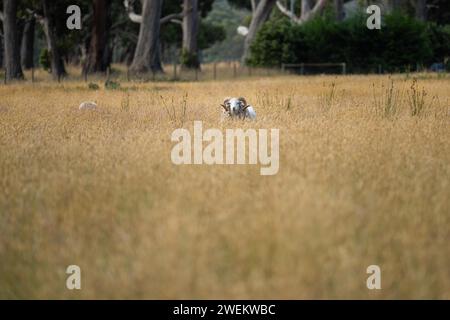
(1, 46)
(190, 34)
(421, 10)
(11, 40)
(98, 53)
(57, 64)
(27, 46)
(438, 11)
(147, 56)
(261, 14)
(189, 58)
(309, 10)
(339, 9)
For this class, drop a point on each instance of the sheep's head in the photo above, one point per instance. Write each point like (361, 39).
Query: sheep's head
(235, 107)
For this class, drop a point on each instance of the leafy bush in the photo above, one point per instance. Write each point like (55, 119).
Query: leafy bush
(93, 86)
(44, 59)
(440, 41)
(188, 59)
(401, 44)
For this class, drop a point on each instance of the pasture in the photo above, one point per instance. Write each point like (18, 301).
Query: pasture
(364, 179)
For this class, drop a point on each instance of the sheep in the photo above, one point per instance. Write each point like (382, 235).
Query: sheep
(238, 108)
(88, 105)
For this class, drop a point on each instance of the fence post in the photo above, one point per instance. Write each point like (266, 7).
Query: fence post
(344, 68)
(175, 70)
(302, 69)
(108, 73)
(196, 74)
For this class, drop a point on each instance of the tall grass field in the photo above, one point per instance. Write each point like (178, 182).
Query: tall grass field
(364, 179)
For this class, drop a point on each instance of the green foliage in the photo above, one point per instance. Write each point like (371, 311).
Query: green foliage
(111, 85)
(242, 4)
(440, 41)
(44, 59)
(229, 18)
(405, 42)
(209, 34)
(93, 86)
(188, 59)
(277, 42)
(402, 43)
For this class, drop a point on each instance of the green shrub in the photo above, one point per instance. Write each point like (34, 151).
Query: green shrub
(188, 59)
(440, 41)
(44, 60)
(93, 86)
(400, 45)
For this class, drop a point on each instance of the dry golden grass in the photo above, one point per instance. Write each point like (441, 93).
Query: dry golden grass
(361, 182)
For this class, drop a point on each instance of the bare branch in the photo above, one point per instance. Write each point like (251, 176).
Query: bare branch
(173, 16)
(136, 18)
(320, 4)
(288, 13)
(177, 21)
(307, 12)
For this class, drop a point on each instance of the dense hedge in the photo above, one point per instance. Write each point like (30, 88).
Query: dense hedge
(402, 43)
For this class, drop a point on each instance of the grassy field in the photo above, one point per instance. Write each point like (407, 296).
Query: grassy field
(364, 179)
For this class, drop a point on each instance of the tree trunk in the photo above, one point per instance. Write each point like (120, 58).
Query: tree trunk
(27, 47)
(1, 49)
(421, 10)
(190, 35)
(98, 59)
(147, 57)
(57, 63)
(261, 15)
(11, 40)
(339, 9)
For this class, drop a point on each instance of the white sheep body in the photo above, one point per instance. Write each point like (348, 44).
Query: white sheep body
(88, 105)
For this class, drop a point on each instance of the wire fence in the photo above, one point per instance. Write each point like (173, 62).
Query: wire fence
(215, 71)
(172, 72)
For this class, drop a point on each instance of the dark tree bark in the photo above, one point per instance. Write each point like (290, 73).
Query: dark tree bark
(57, 63)
(421, 10)
(27, 46)
(146, 57)
(190, 35)
(11, 40)
(98, 57)
(1, 48)
(339, 9)
(262, 13)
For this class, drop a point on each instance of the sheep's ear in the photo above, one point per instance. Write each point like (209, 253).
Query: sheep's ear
(242, 99)
(225, 104)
